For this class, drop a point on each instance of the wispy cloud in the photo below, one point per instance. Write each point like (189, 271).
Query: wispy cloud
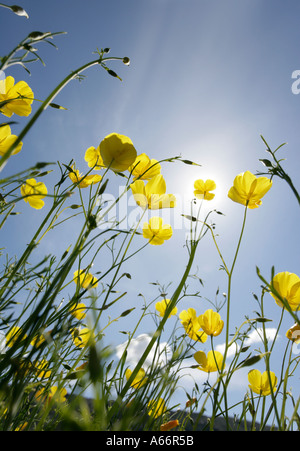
(136, 348)
(255, 337)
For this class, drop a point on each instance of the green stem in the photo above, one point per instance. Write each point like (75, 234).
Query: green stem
(48, 100)
(227, 327)
(156, 335)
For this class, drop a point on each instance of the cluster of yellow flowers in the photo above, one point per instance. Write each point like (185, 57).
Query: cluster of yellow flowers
(117, 153)
(81, 336)
(14, 98)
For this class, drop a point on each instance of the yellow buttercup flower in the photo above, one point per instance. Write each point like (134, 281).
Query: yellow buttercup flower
(287, 286)
(139, 379)
(209, 363)
(191, 324)
(190, 402)
(85, 279)
(169, 425)
(248, 189)
(211, 323)
(7, 140)
(45, 396)
(42, 369)
(18, 97)
(152, 195)
(260, 384)
(144, 168)
(22, 426)
(156, 231)
(93, 158)
(84, 181)
(78, 311)
(59, 395)
(117, 152)
(39, 339)
(294, 333)
(203, 188)
(13, 335)
(33, 193)
(162, 306)
(81, 337)
(157, 408)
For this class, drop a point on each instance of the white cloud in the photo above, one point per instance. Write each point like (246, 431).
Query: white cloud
(255, 337)
(136, 348)
(231, 350)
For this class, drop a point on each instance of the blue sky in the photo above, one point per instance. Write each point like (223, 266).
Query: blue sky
(206, 79)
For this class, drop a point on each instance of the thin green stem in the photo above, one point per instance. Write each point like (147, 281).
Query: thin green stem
(155, 336)
(230, 273)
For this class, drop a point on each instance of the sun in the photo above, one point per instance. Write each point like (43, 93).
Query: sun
(186, 187)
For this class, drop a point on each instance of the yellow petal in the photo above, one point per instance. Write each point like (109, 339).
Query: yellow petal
(117, 152)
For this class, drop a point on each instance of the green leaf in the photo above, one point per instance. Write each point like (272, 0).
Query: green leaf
(251, 360)
(266, 162)
(190, 218)
(103, 187)
(58, 107)
(17, 10)
(190, 162)
(127, 312)
(113, 74)
(94, 364)
(263, 320)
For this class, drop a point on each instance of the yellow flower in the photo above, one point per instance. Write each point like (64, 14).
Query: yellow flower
(162, 306)
(156, 408)
(203, 188)
(190, 402)
(85, 279)
(22, 426)
(43, 371)
(41, 338)
(139, 379)
(144, 168)
(93, 158)
(19, 97)
(7, 139)
(191, 324)
(259, 383)
(209, 363)
(12, 335)
(157, 232)
(33, 193)
(248, 189)
(294, 333)
(81, 337)
(211, 323)
(84, 181)
(152, 195)
(287, 286)
(59, 395)
(169, 425)
(117, 152)
(79, 311)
